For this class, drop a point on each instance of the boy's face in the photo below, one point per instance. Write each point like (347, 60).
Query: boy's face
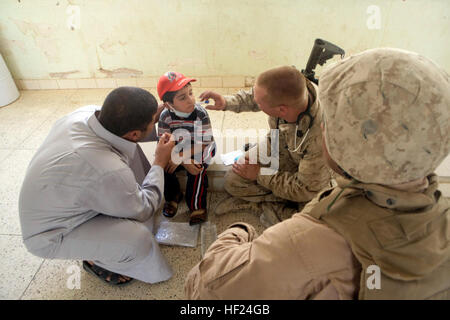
(184, 100)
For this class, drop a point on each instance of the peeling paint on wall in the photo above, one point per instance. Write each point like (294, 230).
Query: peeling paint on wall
(109, 46)
(42, 35)
(62, 75)
(121, 73)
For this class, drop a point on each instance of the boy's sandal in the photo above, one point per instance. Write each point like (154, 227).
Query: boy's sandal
(171, 207)
(198, 216)
(103, 274)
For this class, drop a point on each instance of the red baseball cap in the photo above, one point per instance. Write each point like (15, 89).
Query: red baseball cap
(172, 81)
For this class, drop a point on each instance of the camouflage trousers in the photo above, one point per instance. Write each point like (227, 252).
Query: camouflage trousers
(273, 207)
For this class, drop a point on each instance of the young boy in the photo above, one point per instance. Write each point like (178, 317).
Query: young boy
(190, 125)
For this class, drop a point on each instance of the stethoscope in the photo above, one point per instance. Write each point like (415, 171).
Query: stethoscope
(299, 133)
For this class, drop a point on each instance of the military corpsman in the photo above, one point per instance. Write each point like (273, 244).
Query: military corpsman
(291, 102)
(383, 232)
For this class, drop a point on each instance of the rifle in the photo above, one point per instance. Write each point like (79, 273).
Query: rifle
(320, 53)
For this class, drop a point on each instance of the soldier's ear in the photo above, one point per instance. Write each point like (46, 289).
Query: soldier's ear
(283, 109)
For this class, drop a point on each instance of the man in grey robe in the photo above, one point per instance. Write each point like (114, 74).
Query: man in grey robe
(90, 193)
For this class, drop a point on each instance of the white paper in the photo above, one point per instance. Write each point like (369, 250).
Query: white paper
(231, 157)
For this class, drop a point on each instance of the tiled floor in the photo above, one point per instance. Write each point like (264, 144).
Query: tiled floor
(23, 126)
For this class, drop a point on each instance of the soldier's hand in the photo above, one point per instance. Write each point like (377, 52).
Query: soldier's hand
(219, 100)
(246, 170)
(164, 150)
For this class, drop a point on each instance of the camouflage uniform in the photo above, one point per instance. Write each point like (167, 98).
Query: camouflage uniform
(301, 174)
(387, 120)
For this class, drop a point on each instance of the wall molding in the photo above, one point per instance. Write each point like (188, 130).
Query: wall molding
(144, 82)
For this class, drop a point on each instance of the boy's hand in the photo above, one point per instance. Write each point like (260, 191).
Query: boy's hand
(193, 168)
(171, 167)
(164, 150)
(219, 100)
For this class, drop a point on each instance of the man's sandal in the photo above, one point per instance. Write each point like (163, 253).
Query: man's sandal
(198, 216)
(103, 274)
(171, 207)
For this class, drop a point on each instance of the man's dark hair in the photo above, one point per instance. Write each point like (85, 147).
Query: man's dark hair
(126, 109)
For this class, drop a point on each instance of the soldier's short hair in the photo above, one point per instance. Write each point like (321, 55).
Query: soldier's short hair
(284, 85)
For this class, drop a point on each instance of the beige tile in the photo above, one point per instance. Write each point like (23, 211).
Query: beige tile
(84, 97)
(444, 168)
(86, 83)
(196, 84)
(19, 120)
(154, 92)
(30, 84)
(67, 83)
(37, 137)
(48, 84)
(126, 82)
(233, 82)
(236, 90)
(249, 81)
(445, 189)
(106, 83)
(14, 132)
(12, 173)
(200, 90)
(211, 82)
(147, 82)
(18, 267)
(9, 219)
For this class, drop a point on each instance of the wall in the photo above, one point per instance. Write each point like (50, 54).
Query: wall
(220, 41)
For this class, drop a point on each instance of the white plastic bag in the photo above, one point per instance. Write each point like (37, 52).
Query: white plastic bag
(177, 234)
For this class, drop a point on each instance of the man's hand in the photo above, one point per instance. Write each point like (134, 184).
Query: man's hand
(164, 150)
(246, 170)
(219, 100)
(193, 168)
